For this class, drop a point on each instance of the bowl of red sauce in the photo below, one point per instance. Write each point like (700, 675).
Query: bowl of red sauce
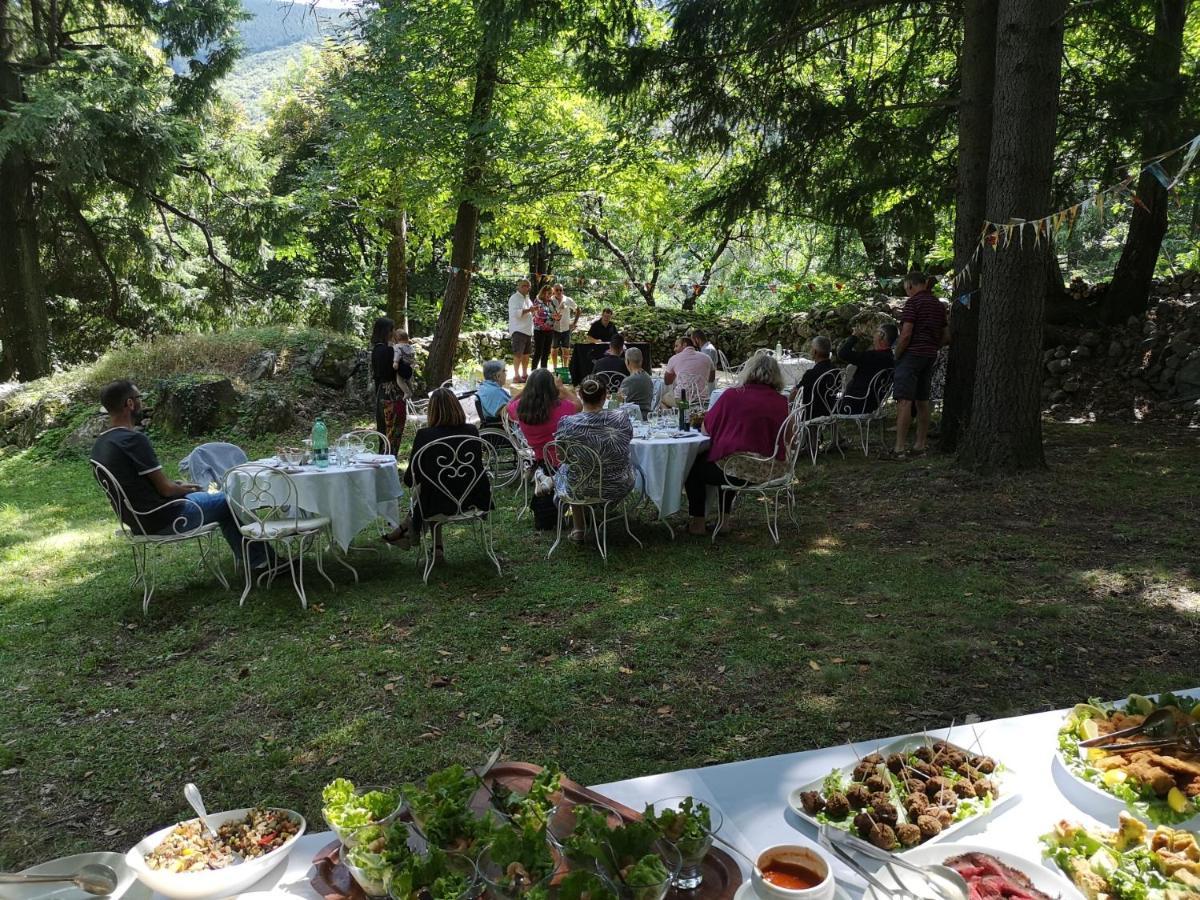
(792, 872)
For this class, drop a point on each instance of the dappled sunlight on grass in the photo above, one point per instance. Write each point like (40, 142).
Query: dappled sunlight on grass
(825, 545)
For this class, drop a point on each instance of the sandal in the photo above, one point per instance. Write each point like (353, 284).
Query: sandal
(578, 536)
(894, 455)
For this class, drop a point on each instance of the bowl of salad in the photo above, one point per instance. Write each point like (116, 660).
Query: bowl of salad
(347, 809)
(689, 825)
(435, 875)
(375, 853)
(185, 862)
(631, 855)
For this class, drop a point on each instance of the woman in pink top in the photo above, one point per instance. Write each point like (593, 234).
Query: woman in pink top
(543, 402)
(745, 419)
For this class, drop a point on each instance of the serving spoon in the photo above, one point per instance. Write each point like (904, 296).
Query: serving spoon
(94, 878)
(191, 794)
(1159, 724)
(943, 880)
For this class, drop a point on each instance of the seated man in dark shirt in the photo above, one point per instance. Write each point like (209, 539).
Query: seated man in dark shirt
(863, 394)
(129, 456)
(613, 360)
(603, 330)
(817, 403)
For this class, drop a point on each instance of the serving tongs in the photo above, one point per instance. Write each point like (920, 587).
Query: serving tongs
(935, 882)
(1160, 724)
(1188, 738)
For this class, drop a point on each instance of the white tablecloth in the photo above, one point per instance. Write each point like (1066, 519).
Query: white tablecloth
(665, 463)
(793, 369)
(752, 797)
(352, 496)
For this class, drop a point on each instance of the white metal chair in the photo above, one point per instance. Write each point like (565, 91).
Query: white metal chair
(610, 380)
(264, 501)
(141, 541)
(765, 351)
(871, 405)
(447, 473)
(526, 458)
(659, 388)
(369, 436)
(698, 388)
(816, 409)
(585, 472)
(772, 477)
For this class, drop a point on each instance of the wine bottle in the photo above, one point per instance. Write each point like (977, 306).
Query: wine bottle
(684, 420)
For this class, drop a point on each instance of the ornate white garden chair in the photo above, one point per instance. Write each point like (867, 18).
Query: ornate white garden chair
(146, 545)
(611, 381)
(447, 472)
(873, 402)
(770, 478)
(817, 416)
(526, 458)
(585, 473)
(264, 502)
(375, 442)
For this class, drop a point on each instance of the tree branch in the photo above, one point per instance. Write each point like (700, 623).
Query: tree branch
(93, 242)
(605, 241)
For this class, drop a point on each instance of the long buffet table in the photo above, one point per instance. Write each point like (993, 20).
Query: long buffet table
(752, 795)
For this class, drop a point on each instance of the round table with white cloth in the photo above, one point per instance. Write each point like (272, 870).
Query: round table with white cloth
(664, 463)
(793, 369)
(351, 496)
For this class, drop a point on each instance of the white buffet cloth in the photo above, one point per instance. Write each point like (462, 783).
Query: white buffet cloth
(351, 496)
(752, 797)
(793, 369)
(664, 464)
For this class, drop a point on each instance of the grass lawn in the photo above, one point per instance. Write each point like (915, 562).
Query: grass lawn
(914, 594)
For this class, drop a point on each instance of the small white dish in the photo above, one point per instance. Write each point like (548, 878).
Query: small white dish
(746, 891)
(215, 882)
(1045, 879)
(798, 855)
(128, 887)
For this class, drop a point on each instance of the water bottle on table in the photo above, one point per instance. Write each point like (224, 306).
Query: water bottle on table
(320, 444)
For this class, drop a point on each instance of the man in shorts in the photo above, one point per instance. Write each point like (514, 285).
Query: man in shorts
(520, 326)
(568, 316)
(923, 331)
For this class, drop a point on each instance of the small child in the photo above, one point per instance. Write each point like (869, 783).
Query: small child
(403, 348)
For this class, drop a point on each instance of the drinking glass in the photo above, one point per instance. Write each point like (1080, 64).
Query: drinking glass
(692, 849)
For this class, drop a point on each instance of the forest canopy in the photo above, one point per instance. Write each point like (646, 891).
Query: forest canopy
(422, 154)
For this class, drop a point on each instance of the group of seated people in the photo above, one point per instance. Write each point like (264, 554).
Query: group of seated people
(745, 419)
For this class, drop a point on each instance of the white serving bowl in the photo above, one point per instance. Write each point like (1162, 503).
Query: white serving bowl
(214, 882)
(810, 858)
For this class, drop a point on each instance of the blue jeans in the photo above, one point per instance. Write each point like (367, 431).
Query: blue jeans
(213, 508)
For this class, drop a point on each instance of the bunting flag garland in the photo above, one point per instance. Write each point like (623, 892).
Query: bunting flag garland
(995, 235)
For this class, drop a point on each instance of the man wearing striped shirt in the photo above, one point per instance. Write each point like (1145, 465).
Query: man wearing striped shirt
(923, 331)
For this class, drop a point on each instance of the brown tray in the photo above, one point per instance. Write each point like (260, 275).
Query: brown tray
(722, 877)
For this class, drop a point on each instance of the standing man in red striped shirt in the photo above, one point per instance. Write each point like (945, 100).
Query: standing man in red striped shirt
(923, 331)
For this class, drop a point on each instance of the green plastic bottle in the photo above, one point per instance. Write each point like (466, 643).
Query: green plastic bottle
(320, 444)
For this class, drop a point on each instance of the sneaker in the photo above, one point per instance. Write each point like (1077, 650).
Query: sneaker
(543, 484)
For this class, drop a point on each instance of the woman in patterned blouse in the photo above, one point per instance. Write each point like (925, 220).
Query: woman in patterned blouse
(608, 432)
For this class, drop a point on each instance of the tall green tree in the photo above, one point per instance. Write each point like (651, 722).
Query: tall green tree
(1004, 431)
(89, 106)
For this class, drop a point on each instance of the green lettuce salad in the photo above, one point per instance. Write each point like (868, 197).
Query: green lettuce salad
(1170, 808)
(626, 854)
(689, 828)
(441, 808)
(1131, 863)
(346, 810)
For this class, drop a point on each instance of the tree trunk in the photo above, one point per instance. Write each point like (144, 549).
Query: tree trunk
(1004, 432)
(538, 257)
(977, 75)
(397, 270)
(440, 364)
(1128, 293)
(24, 322)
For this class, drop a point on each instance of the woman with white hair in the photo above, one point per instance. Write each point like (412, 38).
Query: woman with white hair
(745, 419)
(492, 394)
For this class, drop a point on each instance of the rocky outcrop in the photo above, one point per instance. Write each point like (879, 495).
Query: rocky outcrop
(1146, 366)
(196, 406)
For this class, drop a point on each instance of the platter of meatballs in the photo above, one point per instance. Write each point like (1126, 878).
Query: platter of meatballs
(912, 791)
